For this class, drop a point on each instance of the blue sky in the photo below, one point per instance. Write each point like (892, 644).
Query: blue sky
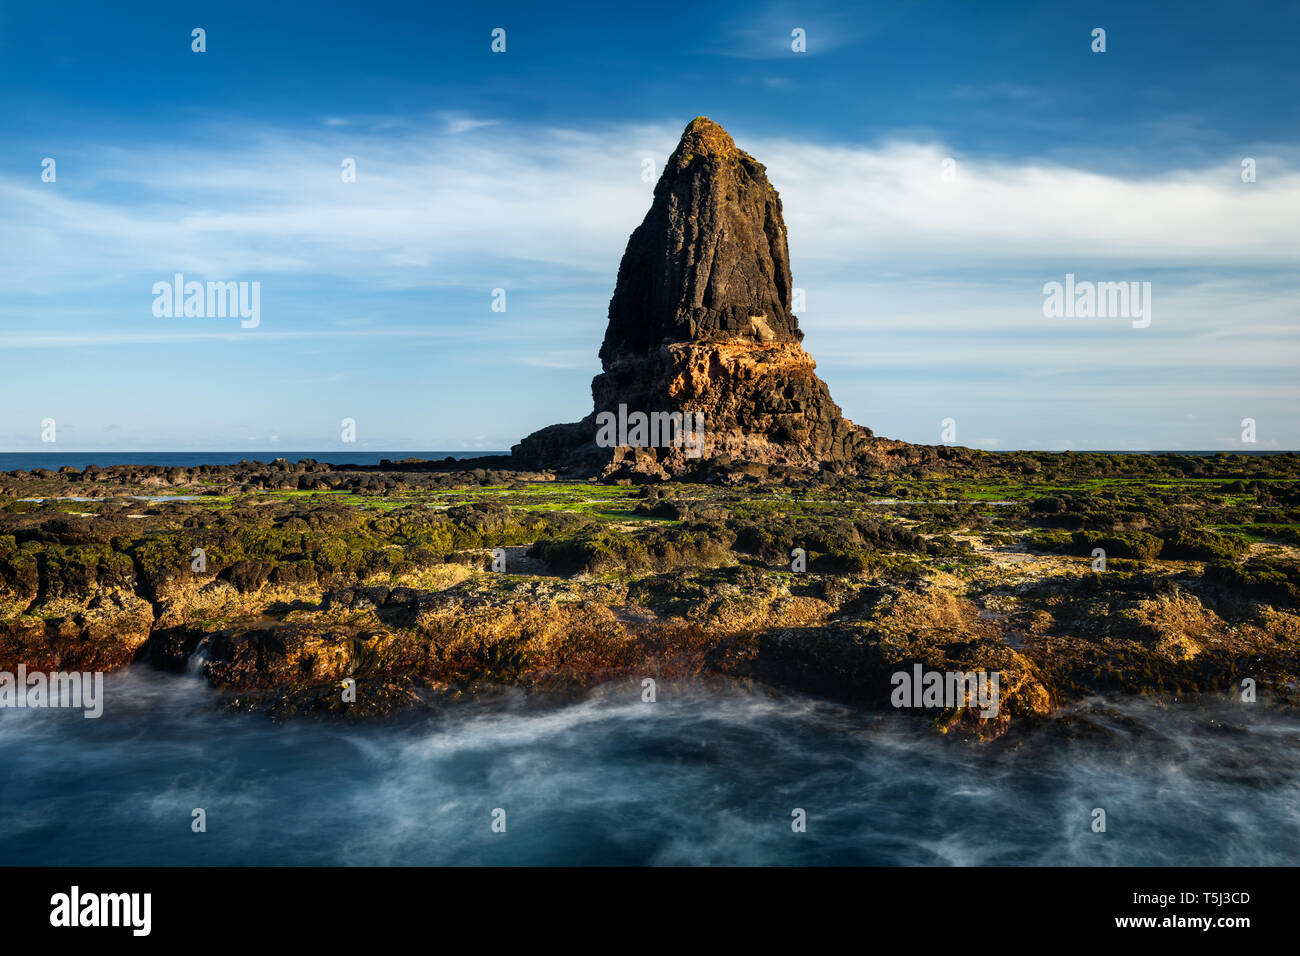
(523, 171)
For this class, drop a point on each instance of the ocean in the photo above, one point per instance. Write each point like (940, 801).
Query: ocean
(29, 460)
(704, 775)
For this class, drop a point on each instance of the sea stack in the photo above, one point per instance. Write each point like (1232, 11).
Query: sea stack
(701, 326)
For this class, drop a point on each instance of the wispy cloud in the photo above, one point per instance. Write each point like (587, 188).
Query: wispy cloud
(930, 286)
(432, 207)
(767, 33)
(192, 336)
(456, 123)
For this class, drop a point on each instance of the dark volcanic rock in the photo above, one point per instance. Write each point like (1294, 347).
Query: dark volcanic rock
(701, 325)
(710, 261)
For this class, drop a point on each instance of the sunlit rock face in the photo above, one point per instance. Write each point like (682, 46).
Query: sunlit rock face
(701, 326)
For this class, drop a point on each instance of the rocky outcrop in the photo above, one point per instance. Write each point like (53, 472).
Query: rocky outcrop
(299, 594)
(701, 325)
(709, 263)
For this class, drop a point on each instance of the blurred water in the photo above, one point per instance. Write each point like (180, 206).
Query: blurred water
(706, 775)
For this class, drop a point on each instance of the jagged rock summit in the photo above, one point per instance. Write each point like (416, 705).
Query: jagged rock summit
(701, 324)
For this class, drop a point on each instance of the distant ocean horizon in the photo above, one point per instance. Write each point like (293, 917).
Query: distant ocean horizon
(54, 460)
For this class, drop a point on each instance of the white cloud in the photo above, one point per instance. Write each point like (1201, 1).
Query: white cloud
(890, 207)
(906, 275)
(449, 206)
(188, 336)
(456, 123)
(766, 34)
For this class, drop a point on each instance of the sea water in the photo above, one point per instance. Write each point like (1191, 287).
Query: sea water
(706, 774)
